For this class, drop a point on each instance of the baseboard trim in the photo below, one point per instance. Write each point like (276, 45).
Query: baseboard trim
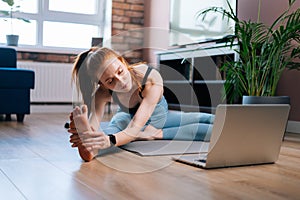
(61, 108)
(293, 127)
(50, 108)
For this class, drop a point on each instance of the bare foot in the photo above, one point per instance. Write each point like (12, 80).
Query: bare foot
(80, 117)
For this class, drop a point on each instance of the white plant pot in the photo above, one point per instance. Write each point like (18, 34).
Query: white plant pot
(12, 40)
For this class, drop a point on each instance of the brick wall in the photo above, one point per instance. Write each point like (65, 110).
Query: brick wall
(127, 34)
(46, 57)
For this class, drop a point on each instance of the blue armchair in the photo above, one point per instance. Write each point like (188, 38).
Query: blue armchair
(15, 85)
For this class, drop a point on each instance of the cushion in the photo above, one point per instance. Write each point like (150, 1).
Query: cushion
(16, 78)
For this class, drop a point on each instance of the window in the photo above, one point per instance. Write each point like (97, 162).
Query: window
(55, 23)
(186, 28)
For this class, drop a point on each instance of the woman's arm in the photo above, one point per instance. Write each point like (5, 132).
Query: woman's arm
(152, 94)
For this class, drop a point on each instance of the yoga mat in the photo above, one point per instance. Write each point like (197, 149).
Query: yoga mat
(165, 147)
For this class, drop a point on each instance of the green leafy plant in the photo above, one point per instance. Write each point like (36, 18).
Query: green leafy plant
(264, 52)
(10, 13)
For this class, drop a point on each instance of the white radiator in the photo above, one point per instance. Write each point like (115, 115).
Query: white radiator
(52, 81)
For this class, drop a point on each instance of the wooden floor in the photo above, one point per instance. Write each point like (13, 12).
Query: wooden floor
(37, 162)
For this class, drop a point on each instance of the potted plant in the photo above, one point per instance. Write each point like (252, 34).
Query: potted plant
(264, 53)
(12, 39)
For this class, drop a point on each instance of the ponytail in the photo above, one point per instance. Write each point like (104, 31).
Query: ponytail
(81, 78)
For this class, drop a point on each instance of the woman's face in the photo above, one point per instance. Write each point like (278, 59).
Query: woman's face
(116, 76)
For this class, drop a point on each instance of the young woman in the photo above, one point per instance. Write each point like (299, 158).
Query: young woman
(103, 76)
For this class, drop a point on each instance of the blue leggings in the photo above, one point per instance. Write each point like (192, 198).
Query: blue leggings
(175, 125)
(188, 126)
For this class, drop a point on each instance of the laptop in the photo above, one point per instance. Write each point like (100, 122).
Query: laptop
(243, 135)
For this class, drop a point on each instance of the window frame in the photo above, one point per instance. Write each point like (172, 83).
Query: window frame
(44, 14)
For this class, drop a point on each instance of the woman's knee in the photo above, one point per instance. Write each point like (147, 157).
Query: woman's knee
(120, 120)
(159, 117)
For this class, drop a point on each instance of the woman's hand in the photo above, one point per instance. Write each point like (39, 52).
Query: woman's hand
(74, 137)
(150, 133)
(93, 140)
